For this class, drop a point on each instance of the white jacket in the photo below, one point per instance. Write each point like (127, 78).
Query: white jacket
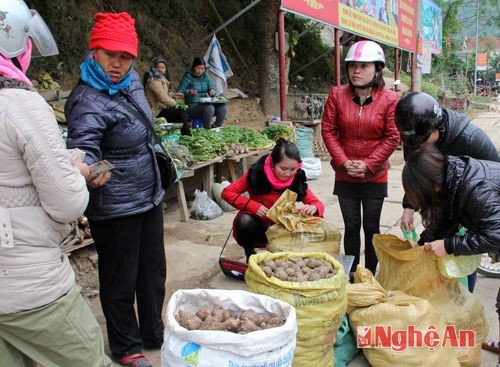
(40, 193)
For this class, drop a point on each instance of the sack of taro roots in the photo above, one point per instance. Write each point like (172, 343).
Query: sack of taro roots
(314, 283)
(415, 271)
(210, 327)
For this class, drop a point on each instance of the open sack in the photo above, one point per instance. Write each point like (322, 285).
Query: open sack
(209, 348)
(298, 233)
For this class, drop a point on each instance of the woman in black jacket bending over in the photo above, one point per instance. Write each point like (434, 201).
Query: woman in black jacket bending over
(450, 191)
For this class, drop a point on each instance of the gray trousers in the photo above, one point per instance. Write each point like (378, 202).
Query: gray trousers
(206, 111)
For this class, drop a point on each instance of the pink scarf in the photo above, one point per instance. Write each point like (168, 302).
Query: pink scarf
(10, 71)
(277, 184)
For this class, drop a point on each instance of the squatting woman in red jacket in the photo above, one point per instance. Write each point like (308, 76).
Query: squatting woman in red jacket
(265, 181)
(360, 134)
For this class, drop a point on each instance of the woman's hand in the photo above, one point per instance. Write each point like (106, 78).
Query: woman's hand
(407, 220)
(262, 212)
(308, 210)
(193, 92)
(179, 95)
(355, 168)
(437, 247)
(97, 180)
(211, 92)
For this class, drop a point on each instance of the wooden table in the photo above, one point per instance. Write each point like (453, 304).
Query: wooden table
(232, 161)
(207, 176)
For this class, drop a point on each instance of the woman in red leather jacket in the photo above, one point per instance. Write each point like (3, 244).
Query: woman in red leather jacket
(265, 181)
(360, 133)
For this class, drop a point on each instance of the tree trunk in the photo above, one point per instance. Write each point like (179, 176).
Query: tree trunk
(268, 61)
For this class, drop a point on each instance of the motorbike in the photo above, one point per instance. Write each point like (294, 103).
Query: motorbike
(490, 265)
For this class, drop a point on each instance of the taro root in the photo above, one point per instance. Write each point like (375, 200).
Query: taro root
(222, 319)
(297, 269)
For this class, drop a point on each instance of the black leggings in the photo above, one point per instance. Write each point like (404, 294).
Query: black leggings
(250, 232)
(351, 213)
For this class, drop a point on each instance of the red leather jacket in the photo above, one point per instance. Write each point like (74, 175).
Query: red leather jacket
(367, 133)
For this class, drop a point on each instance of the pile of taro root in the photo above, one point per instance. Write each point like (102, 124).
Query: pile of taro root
(219, 318)
(298, 269)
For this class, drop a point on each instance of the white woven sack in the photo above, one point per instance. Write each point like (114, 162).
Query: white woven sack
(207, 348)
(311, 167)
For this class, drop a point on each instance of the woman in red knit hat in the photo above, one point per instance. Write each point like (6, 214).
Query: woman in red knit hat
(107, 115)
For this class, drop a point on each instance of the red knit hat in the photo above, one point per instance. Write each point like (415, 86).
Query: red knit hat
(114, 32)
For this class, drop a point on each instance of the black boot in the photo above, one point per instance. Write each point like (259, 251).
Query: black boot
(249, 252)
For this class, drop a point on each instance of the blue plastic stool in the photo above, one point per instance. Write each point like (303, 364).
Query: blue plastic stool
(197, 123)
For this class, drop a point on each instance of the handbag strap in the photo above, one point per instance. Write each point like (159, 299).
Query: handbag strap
(139, 115)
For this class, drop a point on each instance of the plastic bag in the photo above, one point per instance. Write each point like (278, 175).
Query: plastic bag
(204, 208)
(452, 266)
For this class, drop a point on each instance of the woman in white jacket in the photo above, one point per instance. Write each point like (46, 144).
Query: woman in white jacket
(44, 319)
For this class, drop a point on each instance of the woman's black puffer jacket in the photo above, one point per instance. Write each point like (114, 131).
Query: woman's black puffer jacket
(472, 188)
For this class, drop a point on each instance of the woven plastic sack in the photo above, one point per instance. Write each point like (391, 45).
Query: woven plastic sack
(320, 305)
(400, 312)
(415, 271)
(296, 233)
(312, 168)
(345, 348)
(209, 348)
(304, 141)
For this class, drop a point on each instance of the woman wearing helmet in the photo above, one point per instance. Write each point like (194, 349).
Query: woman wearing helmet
(44, 320)
(422, 122)
(360, 134)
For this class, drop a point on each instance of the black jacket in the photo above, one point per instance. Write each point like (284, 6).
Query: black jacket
(472, 190)
(459, 136)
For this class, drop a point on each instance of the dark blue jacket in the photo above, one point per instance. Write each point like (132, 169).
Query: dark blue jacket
(202, 84)
(104, 129)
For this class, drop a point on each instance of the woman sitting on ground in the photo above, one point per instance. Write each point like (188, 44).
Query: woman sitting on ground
(265, 181)
(162, 102)
(196, 84)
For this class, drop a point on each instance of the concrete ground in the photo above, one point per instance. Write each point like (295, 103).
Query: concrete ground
(193, 248)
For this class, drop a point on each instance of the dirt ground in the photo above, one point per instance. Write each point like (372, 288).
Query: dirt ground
(203, 238)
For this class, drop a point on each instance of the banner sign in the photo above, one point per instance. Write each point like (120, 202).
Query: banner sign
(392, 22)
(432, 25)
(482, 61)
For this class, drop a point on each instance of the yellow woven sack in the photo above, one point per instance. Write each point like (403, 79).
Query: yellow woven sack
(297, 233)
(373, 307)
(320, 305)
(415, 271)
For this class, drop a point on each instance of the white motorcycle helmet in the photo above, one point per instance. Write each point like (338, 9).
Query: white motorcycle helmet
(366, 51)
(17, 23)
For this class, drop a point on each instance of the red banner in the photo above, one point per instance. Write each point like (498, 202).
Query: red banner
(391, 22)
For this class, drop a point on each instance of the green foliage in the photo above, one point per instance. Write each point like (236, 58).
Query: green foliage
(307, 48)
